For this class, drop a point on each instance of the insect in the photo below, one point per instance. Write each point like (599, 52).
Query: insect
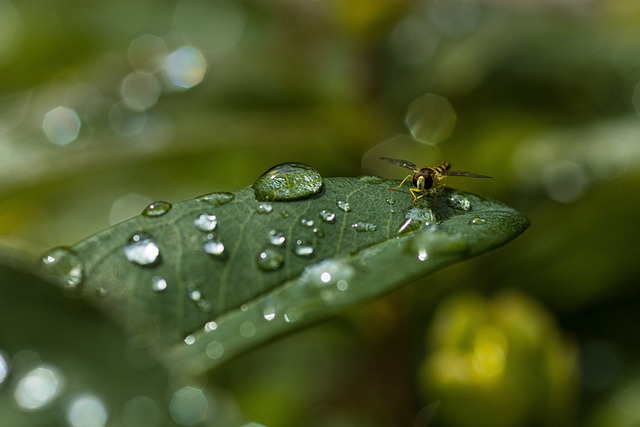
(429, 178)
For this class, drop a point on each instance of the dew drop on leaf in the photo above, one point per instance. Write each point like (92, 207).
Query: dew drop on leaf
(264, 208)
(206, 222)
(65, 265)
(288, 181)
(318, 231)
(141, 249)
(457, 201)
(303, 248)
(477, 221)
(327, 216)
(344, 206)
(364, 226)
(156, 209)
(158, 284)
(213, 245)
(216, 199)
(269, 259)
(306, 222)
(277, 238)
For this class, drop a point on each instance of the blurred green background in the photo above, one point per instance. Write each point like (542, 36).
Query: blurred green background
(107, 106)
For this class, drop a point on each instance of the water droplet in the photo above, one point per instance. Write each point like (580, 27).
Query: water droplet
(318, 231)
(328, 273)
(371, 179)
(141, 249)
(327, 216)
(269, 311)
(206, 222)
(101, 292)
(288, 181)
(269, 259)
(458, 201)
(65, 265)
(213, 245)
(194, 295)
(204, 305)
(345, 206)
(364, 226)
(214, 350)
(293, 315)
(415, 219)
(247, 329)
(284, 214)
(477, 221)
(216, 199)
(156, 209)
(264, 208)
(423, 254)
(210, 326)
(306, 222)
(277, 238)
(390, 201)
(303, 248)
(158, 284)
(190, 339)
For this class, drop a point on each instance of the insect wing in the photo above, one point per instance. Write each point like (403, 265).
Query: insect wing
(467, 174)
(402, 163)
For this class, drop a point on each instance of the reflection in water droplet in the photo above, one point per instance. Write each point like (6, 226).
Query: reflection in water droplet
(214, 350)
(210, 326)
(430, 119)
(188, 406)
(269, 259)
(190, 339)
(277, 238)
(156, 209)
(458, 201)
(247, 329)
(216, 199)
(364, 226)
(288, 181)
(306, 222)
(38, 388)
(415, 219)
(141, 411)
(264, 208)
(141, 249)
(61, 125)
(477, 221)
(303, 248)
(293, 315)
(213, 245)
(206, 222)
(269, 311)
(327, 216)
(158, 284)
(65, 265)
(345, 206)
(87, 410)
(4, 367)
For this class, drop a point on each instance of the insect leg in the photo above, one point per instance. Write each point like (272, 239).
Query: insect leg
(401, 184)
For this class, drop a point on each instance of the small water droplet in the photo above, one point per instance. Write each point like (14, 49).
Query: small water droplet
(158, 284)
(287, 181)
(306, 222)
(141, 249)
(318, 231)
(264, 208)
(210, 326)
(194, 295)
(303, 248)
(284, 214)
(344, 206)
(247, 329)
(213, 245)
(206, 222)
(277, 238)
(423, 254)
(327, 216)
(269, 259)
(156, 209)
(101, 292)
(458, 201)
(244, 308)
(269, 311)
(190, 339)
(364, 226)
(390, 201)
(65, 265)
(204, 305)
(477, 221)
(371, 179)
(293, 315)
(216, 199)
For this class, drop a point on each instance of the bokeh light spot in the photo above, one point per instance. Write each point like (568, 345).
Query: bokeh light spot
(140, 90)
(61, 125)
(147, 54)
(38, 388)
(430, 119)
(185, 67)
(87, 410)
(188, 406)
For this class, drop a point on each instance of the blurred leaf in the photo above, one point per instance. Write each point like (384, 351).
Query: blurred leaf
(222, 273)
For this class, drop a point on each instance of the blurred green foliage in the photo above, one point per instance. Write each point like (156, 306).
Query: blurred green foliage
(546, 99)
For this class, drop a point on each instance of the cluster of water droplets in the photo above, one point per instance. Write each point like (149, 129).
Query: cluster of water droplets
(415, 219)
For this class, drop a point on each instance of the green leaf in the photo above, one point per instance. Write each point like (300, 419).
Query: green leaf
(273, 267)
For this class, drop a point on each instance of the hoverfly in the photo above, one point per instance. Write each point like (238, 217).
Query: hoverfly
(429, 178)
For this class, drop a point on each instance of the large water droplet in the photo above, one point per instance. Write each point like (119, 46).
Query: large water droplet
(415, 219)
(213, 245)
(458, 201)
(206, 222)
(156, 209)
(65, 265)
(216, 199)
(327, 216)
(264, 208)
(141, 249)
(364, 226)
(288, 181)
(343, 205)
(158, 284)
(303, 248)
(269, 259)
(277, 238)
